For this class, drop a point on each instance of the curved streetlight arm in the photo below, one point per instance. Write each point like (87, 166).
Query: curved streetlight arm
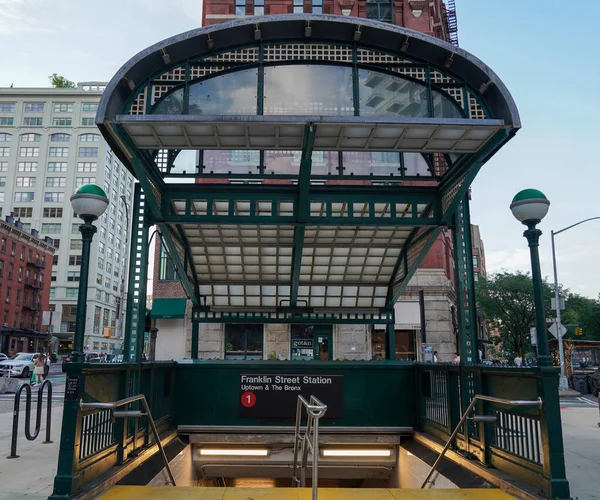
(564, 383)
(573, 225)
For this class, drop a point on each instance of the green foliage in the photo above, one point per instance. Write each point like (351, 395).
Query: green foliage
(506, 299)
(584, 313)
(60, 82)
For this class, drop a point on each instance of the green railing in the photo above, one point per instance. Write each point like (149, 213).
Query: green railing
(92, 441)
(525, 442)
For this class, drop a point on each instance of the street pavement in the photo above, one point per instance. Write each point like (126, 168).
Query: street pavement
(583, 401)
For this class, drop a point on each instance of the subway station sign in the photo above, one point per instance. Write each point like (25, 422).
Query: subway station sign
(275, 395)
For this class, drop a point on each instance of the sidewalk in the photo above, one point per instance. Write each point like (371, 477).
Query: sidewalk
(31, 476)
(582, 451)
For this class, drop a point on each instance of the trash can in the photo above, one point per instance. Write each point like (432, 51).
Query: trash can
(580, 383)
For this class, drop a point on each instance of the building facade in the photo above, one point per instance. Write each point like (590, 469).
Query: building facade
(25, 269)
(49, 146)
(479, 270)
(425, 313)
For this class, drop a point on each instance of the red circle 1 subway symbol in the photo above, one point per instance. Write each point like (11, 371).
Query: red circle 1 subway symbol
(248, 399)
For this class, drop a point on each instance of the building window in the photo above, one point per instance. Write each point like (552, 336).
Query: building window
(55, 260)
(25, 181)
(52, 292)
(53, 212)
(317, 6)
(475, 261)
(76, 245)
(59, 152)
(89, 138)
(62, 122)
(7, 107)
(72, 275)
(87, 122)
(60, 138)
(74, 260)
(5, 137)
(89, 107)
(101, 247)
(27, 166)
(57, 166)
(53, 197)
(72, 292)
(51, 228)
(54, 275)
(22, 211)
(90, 152)
(3, 166)
(80, 181)
(56, 243)
(24, 196)
(29, 152)
(86, 166)
(298, 6)
(107, 282)
(31, 138)
(63, 107)
(259, 7)
(100, 263)
(5, 151)
(243, 341)
(2, 197)
(380, 10)
(32, 121)
(56, 181)
(2, 181)
(34, 107)
(240, 7)
(7, 121)
(166, 270)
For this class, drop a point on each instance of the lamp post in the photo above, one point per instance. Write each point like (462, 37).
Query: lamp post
(564, 383)
(529, 207)
(89, 202)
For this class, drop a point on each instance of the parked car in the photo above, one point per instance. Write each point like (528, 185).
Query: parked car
(594, 381)
(18, 365)
(3, 357)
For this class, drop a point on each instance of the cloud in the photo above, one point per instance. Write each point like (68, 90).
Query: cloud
(191, 8)
(509, 260)
(19, 16)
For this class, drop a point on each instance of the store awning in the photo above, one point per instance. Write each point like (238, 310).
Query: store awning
(168, 308)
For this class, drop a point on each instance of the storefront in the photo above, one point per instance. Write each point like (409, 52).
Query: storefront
(16, 340)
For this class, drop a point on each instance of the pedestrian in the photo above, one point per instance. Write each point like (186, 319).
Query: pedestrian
(435, 358)
(144, 357)
(456, 359)
(38, 369)
(46, 366)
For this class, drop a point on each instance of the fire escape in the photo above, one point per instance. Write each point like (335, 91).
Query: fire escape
(451, 22)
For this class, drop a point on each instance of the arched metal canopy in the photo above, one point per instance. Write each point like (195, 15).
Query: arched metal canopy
(305, 244)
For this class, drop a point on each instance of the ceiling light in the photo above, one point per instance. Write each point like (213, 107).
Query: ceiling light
(357, 453)
(235, 452)
(357, 34)
(210, 43)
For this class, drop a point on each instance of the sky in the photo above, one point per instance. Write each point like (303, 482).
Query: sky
(545, 52)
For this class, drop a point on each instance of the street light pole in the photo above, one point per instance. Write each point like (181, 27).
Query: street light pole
(530, 206)
(564, 383)
(89, 202)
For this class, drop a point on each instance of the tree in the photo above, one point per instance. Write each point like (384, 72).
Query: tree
(60, 82)
(584, 313)
(506, 299)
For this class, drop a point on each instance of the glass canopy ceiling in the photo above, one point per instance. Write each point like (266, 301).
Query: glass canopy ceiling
(326, 160)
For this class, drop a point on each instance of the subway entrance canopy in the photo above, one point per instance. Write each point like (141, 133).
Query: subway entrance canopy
(328, 154)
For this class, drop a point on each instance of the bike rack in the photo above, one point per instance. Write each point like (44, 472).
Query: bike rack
(314, 411)
(38, 416)
(479, 418)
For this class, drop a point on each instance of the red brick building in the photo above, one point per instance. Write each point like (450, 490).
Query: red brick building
(25, 269)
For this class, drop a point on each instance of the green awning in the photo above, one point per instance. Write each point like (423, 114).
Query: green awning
(168, 308)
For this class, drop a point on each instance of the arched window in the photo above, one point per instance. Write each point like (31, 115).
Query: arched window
(60, 137)
(89, 138)
(5, 137)
(31, 138)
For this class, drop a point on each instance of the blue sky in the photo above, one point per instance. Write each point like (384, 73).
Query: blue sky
(545, 52)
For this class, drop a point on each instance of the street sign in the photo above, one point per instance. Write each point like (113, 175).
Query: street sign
(554, 330)
(561, 302)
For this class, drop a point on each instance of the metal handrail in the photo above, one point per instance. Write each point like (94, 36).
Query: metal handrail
(314, 411)
(126, 401)
(38, 415)
(478, 397)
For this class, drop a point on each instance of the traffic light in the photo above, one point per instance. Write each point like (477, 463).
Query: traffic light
(578, 331)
